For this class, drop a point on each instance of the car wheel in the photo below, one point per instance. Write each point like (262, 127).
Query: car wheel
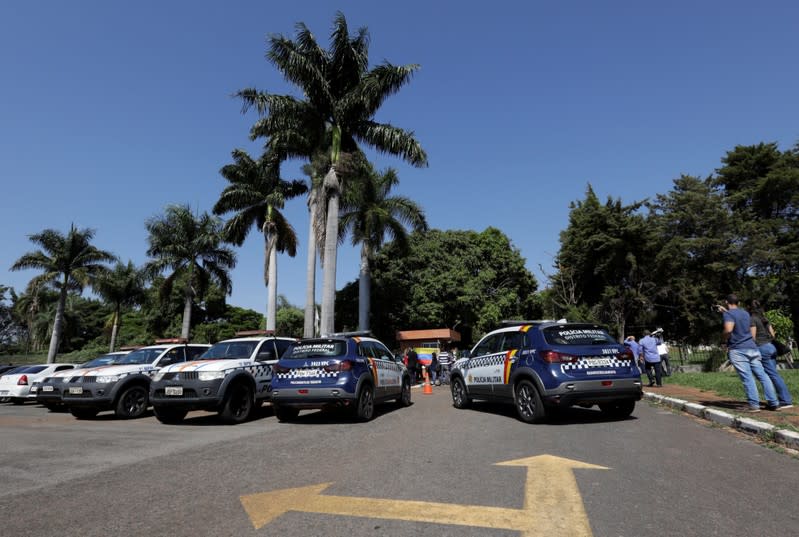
(528, 402)
(365, 407)
(460, 399)
(286, 413)
(405, 395)
(132, 403)
(238, 404)
(170, 416)
(83, 413)
(618, 409)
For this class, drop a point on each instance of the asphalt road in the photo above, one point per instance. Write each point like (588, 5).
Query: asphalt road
(657, 474)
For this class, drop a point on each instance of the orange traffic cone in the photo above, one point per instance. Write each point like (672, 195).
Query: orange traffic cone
(427, 389)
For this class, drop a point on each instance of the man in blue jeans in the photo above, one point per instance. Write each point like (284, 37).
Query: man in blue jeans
(745, 356)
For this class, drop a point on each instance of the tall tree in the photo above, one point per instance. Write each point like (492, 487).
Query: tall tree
(69, 262)
(123, 286)
(342, 98)
(372, 215)
(191, 248)
(256, 194)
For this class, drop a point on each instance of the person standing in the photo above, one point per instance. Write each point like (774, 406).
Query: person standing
(444, 361)
(413, 364)
(433, 368)
(649, 349)
(635, 348)
(745, 356)
(764, 334)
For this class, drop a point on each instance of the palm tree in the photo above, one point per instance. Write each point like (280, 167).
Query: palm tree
(371, 215)
(342, 98)
(191, 248)
(69, 262)
(122, 287)
(257, 193)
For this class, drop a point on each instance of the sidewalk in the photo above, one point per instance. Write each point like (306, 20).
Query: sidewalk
(781, 426)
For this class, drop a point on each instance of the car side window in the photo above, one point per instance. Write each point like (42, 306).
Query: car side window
(365, 349)
(511, 341)
(282, 345)
(267, 351)
(194, 352)
(63, 367)
(487, 346)
(381, 352)
(172, 356)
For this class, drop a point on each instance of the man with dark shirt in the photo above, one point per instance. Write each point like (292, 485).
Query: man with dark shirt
(413, 364)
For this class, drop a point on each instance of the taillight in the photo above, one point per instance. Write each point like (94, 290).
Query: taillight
(344, 365)
(554, 357)
(23, 380)
(626, 354)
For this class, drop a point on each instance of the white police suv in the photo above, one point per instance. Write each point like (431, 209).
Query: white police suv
(540, 365)
(231, 378)
(123, 386)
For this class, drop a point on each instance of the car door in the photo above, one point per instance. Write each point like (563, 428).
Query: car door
(389, 371)
(509, 349)
(479, 367)
(266, 357)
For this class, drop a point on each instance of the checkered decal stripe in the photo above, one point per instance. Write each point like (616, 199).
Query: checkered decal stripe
(585, 363)
(305, 372)
(260, 370)
(489, 360)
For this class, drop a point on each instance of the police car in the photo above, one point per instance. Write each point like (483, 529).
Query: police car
(123, 386)
(348, 369)
(540, 365)
(47, 391)
(231, 378)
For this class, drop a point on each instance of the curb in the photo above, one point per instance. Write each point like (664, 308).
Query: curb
(762, 429)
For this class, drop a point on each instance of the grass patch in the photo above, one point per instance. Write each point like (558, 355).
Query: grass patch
(728, 384)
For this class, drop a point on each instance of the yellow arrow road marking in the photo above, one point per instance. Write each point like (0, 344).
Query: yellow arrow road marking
(552, 505)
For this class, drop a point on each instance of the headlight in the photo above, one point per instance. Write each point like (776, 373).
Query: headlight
(107, 379)
(210, 375)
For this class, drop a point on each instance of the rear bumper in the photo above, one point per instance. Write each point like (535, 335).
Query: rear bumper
(312, 397)
(593, 392)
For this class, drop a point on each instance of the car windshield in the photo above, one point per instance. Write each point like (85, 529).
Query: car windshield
(577, 335)
(108, 359)
(309, 349)
(229, 350)
(141, 356)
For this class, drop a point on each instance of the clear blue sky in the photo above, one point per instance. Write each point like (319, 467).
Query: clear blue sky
(111, 110)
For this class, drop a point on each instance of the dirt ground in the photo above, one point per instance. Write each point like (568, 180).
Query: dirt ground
(788, 418)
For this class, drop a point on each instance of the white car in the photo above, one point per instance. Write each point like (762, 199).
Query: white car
(17, 385)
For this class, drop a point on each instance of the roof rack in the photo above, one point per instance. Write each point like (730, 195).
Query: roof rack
(511, 322)
(367, 333)
(245, 333)
(171, 340)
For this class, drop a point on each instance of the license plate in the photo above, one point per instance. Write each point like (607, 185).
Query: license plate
(3, 392)
(303, 373)
(173, 390)
(75, 390)
(47, 388)
(598, 361)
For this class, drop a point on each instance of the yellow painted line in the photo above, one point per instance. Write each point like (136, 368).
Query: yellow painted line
(558, 512)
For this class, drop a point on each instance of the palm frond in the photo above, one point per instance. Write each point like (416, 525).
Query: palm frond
(392, 140)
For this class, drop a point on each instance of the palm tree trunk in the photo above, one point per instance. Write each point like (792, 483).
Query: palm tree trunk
(331, 244)
(58, 322)
(364, 290)
(114, 330)
(271, 306)
(310, 276)
(189, 300)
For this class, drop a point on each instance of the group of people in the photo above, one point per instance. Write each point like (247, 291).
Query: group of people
(750, 350)
(438, 369)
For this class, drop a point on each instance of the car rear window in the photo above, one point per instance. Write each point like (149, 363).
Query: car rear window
(577, 335)
(315, 349)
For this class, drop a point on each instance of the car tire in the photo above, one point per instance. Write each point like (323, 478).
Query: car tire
(618, 409)
(286, 413)
(132, 402)
(405, 393)
(460, 398)
(168, 415)
(83, 413)
(365, 404)
(529, 406)
(238, 404)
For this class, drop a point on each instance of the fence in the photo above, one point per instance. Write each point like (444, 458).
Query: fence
(710, 358)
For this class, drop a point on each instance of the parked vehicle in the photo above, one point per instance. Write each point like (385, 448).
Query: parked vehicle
(16, 385)
(47, 390)
(349, 369)
(231, 378)
(123, 387)
(542, 365)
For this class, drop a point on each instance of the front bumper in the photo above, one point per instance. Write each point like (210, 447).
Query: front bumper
(88, 394)
(189, 394)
